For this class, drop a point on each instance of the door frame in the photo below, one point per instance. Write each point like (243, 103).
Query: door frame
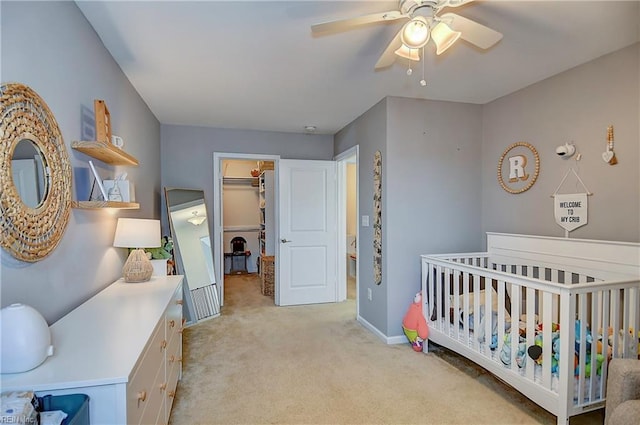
(218, 222)
(342, 160)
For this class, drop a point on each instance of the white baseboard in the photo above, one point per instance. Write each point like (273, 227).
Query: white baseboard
(400, 339)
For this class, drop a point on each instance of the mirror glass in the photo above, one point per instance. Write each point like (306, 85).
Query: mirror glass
(28, 172)
(187, 214)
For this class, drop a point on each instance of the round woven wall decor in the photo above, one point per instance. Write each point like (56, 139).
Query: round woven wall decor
(32, 233)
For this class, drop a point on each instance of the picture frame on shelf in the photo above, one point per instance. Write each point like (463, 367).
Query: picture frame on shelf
(97, 181)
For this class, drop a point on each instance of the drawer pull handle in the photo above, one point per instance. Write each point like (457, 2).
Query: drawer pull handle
(171, 393)
(142, 395)
(163, 386)
(179, 302)
(172, 358)
(172, 323)
(163, 344)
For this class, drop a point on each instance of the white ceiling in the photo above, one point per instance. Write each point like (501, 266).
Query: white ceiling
(256, 65)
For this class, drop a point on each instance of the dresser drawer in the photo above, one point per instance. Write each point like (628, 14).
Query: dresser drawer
(143, 388)
(174, 314)
(173, 374)
(153, 409)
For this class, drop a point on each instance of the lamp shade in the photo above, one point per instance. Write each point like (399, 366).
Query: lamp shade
(137, 233)
(407, 53)
(444, 37)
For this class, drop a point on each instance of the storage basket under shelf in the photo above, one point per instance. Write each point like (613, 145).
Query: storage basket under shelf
(267, 268)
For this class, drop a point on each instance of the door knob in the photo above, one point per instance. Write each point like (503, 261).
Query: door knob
(285, 240)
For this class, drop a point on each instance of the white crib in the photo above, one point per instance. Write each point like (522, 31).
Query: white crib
(589, 289)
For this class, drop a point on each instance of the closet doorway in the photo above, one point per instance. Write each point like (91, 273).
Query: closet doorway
(347, 171)
(237, 213)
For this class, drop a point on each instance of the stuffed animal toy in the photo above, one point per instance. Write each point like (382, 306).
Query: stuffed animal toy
(505, 353)
(535, 351)
(414, 324)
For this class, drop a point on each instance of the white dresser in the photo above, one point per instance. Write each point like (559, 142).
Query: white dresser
(123, 348)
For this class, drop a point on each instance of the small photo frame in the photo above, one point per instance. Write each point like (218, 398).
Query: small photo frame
(98, 180)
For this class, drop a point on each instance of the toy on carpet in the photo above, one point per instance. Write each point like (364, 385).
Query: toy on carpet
(414, 324)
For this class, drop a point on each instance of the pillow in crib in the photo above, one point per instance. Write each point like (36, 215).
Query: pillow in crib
(482, 301)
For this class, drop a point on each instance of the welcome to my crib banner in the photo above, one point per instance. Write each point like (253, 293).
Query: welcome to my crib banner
(570, 209)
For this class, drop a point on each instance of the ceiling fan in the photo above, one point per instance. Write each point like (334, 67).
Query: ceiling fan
(425, 23)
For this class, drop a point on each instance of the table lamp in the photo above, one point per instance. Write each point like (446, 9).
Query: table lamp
(137, 233)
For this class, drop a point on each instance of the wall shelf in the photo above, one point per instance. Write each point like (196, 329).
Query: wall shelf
(95, 205)
(105, 152)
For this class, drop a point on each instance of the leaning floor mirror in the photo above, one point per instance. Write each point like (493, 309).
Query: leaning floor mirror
(192, 249)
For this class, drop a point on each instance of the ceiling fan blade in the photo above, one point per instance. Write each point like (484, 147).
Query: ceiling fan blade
(455, 3)
(473, 32)
(389, 55)
(345, 24)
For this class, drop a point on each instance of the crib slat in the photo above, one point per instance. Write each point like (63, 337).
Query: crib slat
(475, 308)
(596, 334)
(581, 339)
(488, 316)
(456, 304)
(465, 307)
(606, 299)
(615, 321)
(516, 301)
(530, 327)
(547, 339)
(500, 328)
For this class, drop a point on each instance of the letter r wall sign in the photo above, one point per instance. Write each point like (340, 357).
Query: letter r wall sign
(518, 167)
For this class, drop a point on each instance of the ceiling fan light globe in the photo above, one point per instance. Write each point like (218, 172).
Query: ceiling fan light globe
(407, 53)
(444, 37)
(415, 33)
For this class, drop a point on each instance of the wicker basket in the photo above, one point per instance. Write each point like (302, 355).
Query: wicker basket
(268, 278)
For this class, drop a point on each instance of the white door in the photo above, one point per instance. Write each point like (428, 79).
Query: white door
(307, 224)
(26, 181)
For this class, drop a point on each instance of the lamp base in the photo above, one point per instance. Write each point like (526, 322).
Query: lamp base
(138, 267)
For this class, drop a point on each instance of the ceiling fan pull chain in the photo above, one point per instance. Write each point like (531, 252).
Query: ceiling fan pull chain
(423, 82)
(409, 71)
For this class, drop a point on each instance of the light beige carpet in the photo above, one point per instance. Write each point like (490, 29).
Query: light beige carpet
(261, 364)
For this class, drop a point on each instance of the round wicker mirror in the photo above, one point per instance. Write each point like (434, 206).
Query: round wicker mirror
(31, 230)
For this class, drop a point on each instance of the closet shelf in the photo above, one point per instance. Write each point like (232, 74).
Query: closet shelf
(95, 205)
(253, 181)
(105, 152)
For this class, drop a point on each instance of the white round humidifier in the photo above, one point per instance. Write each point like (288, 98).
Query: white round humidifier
(26, 339)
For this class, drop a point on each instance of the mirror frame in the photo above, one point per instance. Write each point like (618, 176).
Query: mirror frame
(31, 234)
(202, 302)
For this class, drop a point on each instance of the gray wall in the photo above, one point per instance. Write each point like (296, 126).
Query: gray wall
(187, 153)
(50, 47)
(431, 192)
(576, 105)
(370, 132)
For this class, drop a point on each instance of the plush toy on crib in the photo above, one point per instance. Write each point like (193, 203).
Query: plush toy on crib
(414, 324)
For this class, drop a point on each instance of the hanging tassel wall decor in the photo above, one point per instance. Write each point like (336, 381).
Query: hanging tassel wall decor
(609, 155)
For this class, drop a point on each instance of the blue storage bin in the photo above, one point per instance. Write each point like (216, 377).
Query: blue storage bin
(76, 406)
